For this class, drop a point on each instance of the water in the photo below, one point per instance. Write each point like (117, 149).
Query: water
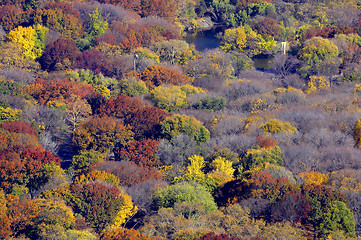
(207, 39)
(262, 62)
(203, 40)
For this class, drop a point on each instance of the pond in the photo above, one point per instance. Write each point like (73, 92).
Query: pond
(262, 62)
(206, 39)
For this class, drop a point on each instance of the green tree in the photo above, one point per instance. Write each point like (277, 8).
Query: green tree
(339, 217)
(9, 114)
(173, 98)
(184, 192)
(169, 98)
(97, 25)
(82, 162)
(132, 87)
(183, 124)
(316, 53)
(258, 157)
(54, 218)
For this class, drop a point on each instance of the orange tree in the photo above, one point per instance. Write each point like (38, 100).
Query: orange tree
(101, 134)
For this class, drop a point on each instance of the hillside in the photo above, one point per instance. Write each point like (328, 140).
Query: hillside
(114, 125)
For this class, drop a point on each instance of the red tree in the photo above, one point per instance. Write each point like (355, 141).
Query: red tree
(20, 165)
(92, 59)
(58, 90)
(18, 127)
(120, 106)
(58, 51)
(142, 153)
(146, 122)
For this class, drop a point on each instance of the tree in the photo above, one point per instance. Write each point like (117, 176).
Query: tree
(98, 203)
(21, 212)
(159, 8)
(9, 114)
(10, 16)
(315, 51)
(183, 124)
(132, 87)
(120, 107)
(184, 192)
(222, 171)
(129, 173)
(142, 153)
(293, 207)
(268, 28)
(26, 38)
(24, 167)
(263, 185)
(278, 126)
(245, 39)
(101, 134)
(124, 234)
(155, 75)
(175, 51)
(317, 84)
(83, 162)
(11, 56)
(339, 217)
(60, 54)
(32, 39)
(259, 157)
(145, 122)
(321, 198)
(97, 25)
(234, 39)
(18, 127)
(59, 91)
(54, 218)
(213, 236)
(5, 221)
(357, 132)
(211, 104)
(78, 110)
(92, 60)
(169, 98)
(60, 17)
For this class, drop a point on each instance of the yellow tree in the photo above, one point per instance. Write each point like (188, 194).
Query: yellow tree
(234, 39)
(222, 171)
(31, 40)
(314, 177)
(26, 38)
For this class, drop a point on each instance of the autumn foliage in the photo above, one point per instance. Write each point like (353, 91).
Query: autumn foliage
(155, 75)
(101, 134)
(142, 153)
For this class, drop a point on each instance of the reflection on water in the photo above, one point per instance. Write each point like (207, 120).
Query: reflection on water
(205, 39)
(262, 62)
(208, 40)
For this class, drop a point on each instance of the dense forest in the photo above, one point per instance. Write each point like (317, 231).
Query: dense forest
(113, 126)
